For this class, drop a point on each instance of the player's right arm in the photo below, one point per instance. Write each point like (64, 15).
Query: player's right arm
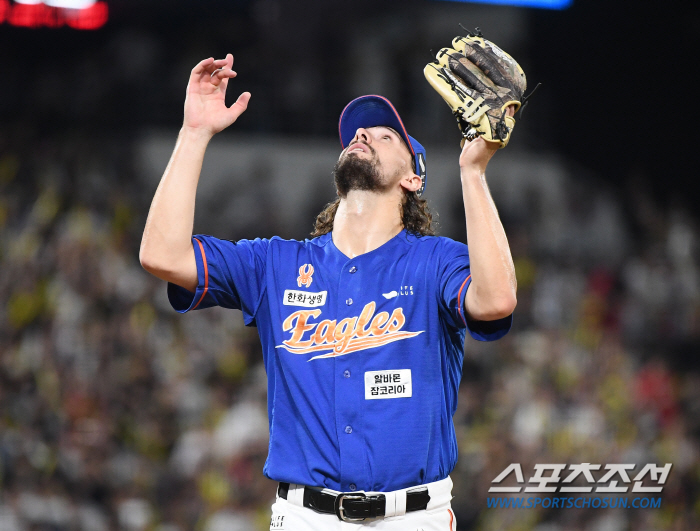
(166, 245)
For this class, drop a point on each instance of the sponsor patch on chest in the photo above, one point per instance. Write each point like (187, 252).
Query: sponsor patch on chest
(293, 297)
(388, 384)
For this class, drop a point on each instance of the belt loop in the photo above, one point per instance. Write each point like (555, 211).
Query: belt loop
(295, 496)
(440, 493)
(400, 501)
(390, 508)
(395, 503)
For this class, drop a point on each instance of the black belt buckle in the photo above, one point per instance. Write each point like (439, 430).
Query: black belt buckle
(340, 510)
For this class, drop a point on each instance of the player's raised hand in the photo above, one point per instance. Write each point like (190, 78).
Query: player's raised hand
(205, 104)
(477, 153)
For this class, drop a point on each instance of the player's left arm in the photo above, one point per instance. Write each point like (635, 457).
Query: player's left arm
(492, 292)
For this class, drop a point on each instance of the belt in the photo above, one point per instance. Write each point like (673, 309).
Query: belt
(354, 506)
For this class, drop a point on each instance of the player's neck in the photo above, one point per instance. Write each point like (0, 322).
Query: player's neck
(365, 221)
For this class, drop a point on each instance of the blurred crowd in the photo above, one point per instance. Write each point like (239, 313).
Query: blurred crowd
(116, 413)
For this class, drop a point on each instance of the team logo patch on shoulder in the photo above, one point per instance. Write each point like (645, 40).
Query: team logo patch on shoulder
(304, 278)
(293, 297)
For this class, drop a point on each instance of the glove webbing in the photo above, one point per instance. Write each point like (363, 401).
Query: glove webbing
(467, 127)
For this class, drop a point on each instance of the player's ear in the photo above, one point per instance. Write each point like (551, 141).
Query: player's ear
(411, 182)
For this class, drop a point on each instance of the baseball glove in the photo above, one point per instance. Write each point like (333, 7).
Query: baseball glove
(479, 81)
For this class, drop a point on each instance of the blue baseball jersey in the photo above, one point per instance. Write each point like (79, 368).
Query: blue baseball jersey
(363, 355)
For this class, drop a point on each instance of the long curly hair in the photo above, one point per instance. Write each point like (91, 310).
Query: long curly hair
(415, 216)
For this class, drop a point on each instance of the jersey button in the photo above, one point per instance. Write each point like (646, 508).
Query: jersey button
(346, 374)
(348, 302)
(353, 269)
(353, 486)
(348, 429)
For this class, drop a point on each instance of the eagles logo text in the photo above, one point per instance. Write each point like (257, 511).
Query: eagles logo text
(349, 335)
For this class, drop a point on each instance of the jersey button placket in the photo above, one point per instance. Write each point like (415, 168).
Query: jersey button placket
(349, 392)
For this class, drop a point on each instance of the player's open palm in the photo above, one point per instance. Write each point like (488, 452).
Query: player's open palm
(205, 104)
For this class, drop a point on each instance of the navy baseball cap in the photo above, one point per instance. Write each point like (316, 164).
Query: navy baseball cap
(373, 111)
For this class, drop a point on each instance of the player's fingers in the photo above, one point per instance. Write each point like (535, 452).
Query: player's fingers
(203, 70)
(221, 75)
(223, 72)
(228, 65)
(215, 65)
(224, 83)
(210, 66)
(201, 66)
(241, 105)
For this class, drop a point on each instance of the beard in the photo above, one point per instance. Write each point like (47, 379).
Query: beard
(354, 173)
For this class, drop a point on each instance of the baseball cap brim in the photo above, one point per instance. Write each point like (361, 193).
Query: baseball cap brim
(374, 111)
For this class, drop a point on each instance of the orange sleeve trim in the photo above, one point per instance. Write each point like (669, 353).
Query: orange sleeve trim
(206, 273)
(459, 299)
(452, 517)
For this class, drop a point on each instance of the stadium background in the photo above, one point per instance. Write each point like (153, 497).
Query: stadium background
(118, 414)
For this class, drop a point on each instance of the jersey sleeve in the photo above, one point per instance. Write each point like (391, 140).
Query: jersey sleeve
(230, 274)
(453, 282)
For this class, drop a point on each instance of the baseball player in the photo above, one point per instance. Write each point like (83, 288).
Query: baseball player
(362, 326)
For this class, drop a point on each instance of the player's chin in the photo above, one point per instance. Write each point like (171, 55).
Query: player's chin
(358, 154)
(355, 158)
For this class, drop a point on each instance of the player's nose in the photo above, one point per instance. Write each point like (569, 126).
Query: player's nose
(362, 135)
